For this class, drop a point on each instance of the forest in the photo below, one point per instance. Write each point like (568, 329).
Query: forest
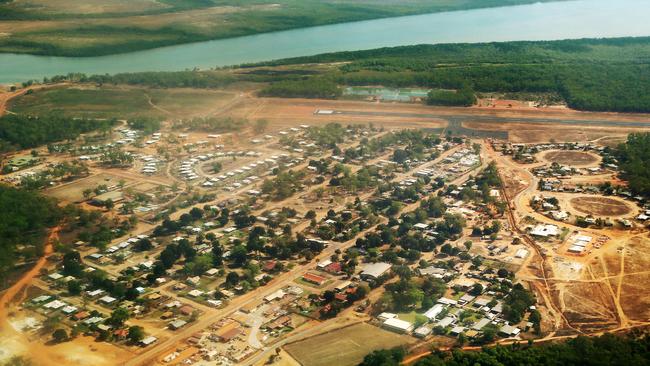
(24, 218)
(589, 74)
(634, 160)
(24, 132)
(608, 349)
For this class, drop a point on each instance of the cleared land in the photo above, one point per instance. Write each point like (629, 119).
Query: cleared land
(571, 158)
(346, 346)
(600, 206)
(121, 102)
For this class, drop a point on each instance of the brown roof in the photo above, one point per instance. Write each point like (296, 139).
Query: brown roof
(186, 309)
(319, 280)
(230, 334)
(81, 315)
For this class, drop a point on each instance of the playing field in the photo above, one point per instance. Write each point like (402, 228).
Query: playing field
(345, 346)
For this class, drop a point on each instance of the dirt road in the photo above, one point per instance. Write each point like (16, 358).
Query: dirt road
(5, 97)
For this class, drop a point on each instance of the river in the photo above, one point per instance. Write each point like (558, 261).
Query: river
(540, 21)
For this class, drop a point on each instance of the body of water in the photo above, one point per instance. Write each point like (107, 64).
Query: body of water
(541, 21)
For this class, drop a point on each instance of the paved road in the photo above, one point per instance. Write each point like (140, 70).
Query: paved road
(496, 119)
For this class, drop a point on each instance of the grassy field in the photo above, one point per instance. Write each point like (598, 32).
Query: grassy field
(109, 102)
(344, 347)
(87, 28)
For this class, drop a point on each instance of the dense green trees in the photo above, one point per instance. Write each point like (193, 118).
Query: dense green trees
(608, 349)
(590, 74)
(19, 131)
(464, 97)
(634, 159)
(24, 218)
(604, 350)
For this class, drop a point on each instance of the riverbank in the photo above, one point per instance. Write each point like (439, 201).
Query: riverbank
(540, 21)
(80, 30)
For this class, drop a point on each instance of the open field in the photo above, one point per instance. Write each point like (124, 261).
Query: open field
(73, 192)
(600, 206)
(343, 347)
(571, 158)
(121, 102)
(87, 28)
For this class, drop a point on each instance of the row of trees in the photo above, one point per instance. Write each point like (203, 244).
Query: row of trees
(634, 159)
(607, 349)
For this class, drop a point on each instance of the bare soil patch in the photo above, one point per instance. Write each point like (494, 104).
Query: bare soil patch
(571, 158)
(600, 206)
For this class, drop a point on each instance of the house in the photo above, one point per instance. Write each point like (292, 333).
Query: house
(372, 271)
(81, 315)
(432, 272)
(342, 286)
(314, 278)
(386, 316)
(422, 331)
(480, 324)
(186, 310)
(107, 300)
(421, 226)
(322, 264)
(456, 330)
(269, 266)
(195, 293)
(148, 341)
(279, 323)
(55, 304)
(446, 321)
(398, 325)
(434, 311)
(509, 331)
(333, 268)
(446, 301)
(277, 295)
(466, 299)
(177, 324)
(521, 253)
(545, 231)
(94, 293)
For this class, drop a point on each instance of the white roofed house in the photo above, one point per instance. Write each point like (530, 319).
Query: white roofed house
(398, 325)
(434, 311)
(373, 271)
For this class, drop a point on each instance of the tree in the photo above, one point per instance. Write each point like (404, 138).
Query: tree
(118, 317)
(136, 334)
(232, 278)
(109, 204)
(239, 255)
(60, 335)
(384, 357)
(74, 287)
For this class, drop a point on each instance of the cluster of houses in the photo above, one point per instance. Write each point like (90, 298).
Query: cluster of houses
(447, 315)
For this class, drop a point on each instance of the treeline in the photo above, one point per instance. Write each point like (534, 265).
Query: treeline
(175, 79)
(23, 132)
(618, 50)
(464, 97)
(24, 218)
(634, 160)
(608, 349)
(589, 74)
(307, 88)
